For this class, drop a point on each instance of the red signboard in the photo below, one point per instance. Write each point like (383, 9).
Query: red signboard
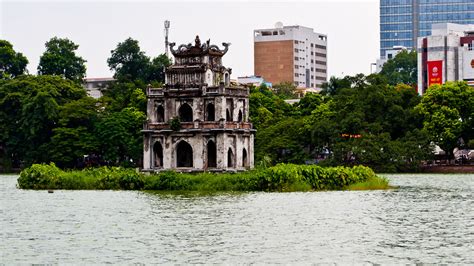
(435, 72)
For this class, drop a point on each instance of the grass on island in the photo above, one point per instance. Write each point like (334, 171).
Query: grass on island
(282, 177)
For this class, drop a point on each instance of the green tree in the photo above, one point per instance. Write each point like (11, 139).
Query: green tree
(122, 132)
(74, 137)
(285, 90)
(157, 69)
(128, 62)
(120, 95)
(60, 59)
(12, 64)
(401, 69)
(448, 111)
(29, 112)
(283, 141)
(308, 103)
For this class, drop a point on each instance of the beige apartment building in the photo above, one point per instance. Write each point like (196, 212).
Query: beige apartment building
(291, 54)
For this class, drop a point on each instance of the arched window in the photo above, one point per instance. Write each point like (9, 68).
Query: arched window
(240, 116)
(228, 116)
(158, 155)
(230, 158)
(244, 158)
(160, 114)
(211, 154)
(227, 79)
(210, 112)
(184, 155)
(186, 113)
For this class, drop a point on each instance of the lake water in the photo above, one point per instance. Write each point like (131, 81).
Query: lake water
(428, 219)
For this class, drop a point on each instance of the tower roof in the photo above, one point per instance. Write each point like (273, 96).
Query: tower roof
(198, 49)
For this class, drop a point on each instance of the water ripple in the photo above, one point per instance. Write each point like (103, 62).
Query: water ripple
(429, 219)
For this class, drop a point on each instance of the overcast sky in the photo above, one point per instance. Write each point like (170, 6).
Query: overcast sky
(97, 27)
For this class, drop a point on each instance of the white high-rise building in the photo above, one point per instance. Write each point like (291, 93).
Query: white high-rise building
(294, 54)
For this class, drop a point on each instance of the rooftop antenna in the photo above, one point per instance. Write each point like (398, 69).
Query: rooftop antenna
(167, 27)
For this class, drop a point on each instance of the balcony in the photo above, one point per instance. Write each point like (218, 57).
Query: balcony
(200, 125)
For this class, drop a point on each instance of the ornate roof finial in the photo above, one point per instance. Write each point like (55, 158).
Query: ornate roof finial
(197, 41)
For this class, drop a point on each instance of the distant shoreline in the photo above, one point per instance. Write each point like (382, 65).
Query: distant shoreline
(449, 169)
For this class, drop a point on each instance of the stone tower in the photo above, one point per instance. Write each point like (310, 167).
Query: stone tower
(198, 121)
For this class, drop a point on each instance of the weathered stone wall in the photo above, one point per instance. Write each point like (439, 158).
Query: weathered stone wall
(198, 141)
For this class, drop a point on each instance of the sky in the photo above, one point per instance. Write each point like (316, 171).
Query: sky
(97, 27)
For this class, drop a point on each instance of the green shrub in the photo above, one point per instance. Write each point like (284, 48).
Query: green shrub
(282, 177)
(40, 176)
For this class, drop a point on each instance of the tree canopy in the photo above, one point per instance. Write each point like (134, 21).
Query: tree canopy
(448, 112)
(131, 64)
(12, 63)
(401, 69)
(60, 59)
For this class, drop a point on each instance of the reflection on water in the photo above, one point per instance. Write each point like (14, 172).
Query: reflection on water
(429, 219)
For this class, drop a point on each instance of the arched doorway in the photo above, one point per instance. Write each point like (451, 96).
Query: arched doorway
(186, 113)
(211, 154)
(157, 155)
(230, 158)
(244, 158)
(210, 112)
(160, 114)
(228, 116)
(240, 116)
(184, 154)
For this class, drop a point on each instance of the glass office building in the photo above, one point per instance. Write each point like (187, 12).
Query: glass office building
(403, 21)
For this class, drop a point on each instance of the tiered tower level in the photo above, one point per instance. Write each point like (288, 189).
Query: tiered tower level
(198, 121)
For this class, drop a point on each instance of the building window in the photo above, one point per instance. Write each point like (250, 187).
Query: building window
(321, 62)
(211, 154)
(321, 47)
(244, 158)
(184, 155)
(230, 158)
(296, 58)
(312, 61)
(296, 50)
(312, 45)
(210, 112)
(312, 69)
(321, 55)
(160, 114)
(297, 75)
(296, 66)
(296, 42)
(186, 113)
(158, 154)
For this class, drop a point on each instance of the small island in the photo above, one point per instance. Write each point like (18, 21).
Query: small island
(282, 177)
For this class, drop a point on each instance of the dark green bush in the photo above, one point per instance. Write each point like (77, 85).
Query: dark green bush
(282, 177)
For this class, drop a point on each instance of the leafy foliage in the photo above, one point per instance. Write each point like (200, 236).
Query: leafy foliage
(448, 114)
(30, 110)
(355, 120)
(401, 69)
(282, 177)
(60, 59)
(131, 64)
(12, 64)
